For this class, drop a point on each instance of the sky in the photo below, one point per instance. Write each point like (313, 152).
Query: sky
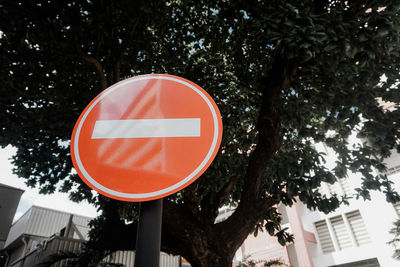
(31, 196)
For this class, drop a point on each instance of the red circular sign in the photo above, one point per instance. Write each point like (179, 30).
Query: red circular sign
(146, 137)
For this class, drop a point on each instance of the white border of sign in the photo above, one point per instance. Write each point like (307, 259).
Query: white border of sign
(154, 193)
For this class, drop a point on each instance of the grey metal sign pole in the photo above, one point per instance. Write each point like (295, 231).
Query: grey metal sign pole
(148, 239)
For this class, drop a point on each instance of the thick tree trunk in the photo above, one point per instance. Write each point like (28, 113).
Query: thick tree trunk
(201, 242)
(209, 250)
(216, 244)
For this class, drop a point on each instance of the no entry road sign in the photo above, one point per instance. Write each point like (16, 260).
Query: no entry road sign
(146, 137)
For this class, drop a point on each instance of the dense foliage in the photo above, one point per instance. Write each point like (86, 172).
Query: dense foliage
(285, 74)
(395, 231)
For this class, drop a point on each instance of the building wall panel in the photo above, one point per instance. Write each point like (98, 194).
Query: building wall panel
(46, 222)
(18, 228)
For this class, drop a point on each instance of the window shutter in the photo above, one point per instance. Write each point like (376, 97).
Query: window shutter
(344, 182)
(358, 227)
(342, 236)
(393, 170)
(324, 237)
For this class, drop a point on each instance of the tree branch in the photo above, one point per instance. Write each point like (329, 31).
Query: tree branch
(252, 204)
(225, 191)
(75, 25)
(268, 126)
(96, 63)
(212, 201)
(124, 45)
(242, 221)
(269, 136)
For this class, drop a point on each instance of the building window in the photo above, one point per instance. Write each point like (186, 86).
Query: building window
(358, 228)
(341, 187)
(341, 232)
(324, 237)
(393, 170)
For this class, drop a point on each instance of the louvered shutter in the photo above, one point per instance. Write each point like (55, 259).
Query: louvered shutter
(344, 182)
(341, 233)
(358, 227)
(341, 187)
(393, 170)
(324, 237)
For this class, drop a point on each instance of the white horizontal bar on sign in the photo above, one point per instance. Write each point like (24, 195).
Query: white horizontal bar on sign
(146, 128)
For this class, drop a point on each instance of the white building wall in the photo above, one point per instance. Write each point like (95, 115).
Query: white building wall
(378, 216)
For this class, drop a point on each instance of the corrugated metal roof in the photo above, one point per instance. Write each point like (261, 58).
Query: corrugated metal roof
(44, 222)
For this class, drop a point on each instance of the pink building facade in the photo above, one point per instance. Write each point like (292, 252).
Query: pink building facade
(265, 248)
(355, 235)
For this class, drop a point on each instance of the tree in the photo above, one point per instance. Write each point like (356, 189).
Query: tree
(285, 75)
(250, 263)
(395, 231)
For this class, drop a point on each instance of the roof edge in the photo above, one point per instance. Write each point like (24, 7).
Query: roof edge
(11, 187)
